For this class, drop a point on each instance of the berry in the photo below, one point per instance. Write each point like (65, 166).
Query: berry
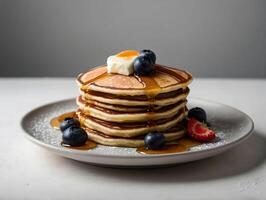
(199, 131)
(197, 113)
(150, 54)
(143, 66)
(154, 141)
(74, 136)
(68, 122)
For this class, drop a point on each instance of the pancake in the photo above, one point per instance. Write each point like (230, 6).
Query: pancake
(132, 142)
(128, 130)
(138, 97)
(118, 116)
(165, 79)
(130, 102)
(117, 107)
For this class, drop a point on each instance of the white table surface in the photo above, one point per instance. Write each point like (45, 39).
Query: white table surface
(30, 172)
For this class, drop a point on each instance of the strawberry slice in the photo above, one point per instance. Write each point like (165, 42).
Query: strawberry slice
(199, 131)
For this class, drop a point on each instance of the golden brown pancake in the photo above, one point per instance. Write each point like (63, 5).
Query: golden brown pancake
(128, 130)
(133, 102)
(119, 116)
(103, 139)
(165, 79)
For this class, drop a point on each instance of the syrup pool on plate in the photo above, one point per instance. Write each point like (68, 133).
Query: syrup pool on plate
(55, 123)
(181, 145)
(87, 146)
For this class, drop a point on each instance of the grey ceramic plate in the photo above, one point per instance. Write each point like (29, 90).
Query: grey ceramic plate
(231, 125)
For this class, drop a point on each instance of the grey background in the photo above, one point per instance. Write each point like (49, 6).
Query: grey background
(210, 38)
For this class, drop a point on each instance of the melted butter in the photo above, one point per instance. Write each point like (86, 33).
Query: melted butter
(127, 54)
(55, 122)
(181, 145)
(87, 146)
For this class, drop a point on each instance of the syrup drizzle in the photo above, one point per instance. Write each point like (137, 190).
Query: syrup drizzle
(151, 89)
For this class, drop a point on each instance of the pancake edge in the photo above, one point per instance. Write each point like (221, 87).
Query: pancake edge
(125, 142)
(128, 133)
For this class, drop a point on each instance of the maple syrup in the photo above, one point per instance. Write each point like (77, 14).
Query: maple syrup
(55, 122)
(151, 87)
(87, 146)
(151, 90)
(181, 145)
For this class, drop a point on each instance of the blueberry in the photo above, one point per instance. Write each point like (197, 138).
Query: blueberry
(197, 113)
(150, 54)
(68, 122)
(154, 140)
(74, 136)
(143, 66)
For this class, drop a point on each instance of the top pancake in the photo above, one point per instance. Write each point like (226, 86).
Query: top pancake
(164, 80)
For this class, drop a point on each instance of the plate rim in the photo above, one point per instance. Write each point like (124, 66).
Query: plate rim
(139, 156)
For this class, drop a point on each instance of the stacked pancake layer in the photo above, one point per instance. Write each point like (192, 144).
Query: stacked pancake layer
(120, 110)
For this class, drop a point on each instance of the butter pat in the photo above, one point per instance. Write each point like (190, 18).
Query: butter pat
(122, 63)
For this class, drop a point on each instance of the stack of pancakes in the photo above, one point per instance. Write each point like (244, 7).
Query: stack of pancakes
(119, 110)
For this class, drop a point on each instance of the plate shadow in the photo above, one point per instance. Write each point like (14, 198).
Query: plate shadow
(246, 157)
